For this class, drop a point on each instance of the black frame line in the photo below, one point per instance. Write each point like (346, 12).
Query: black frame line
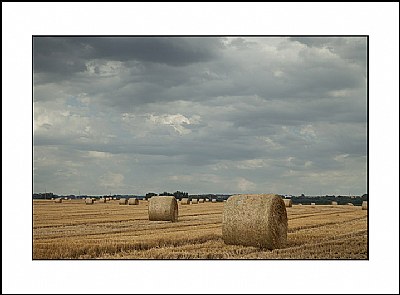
(199, 36)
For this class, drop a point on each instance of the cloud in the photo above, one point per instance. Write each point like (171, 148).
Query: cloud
(206, 114)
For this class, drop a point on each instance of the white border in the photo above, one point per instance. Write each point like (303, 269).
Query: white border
(378, 275)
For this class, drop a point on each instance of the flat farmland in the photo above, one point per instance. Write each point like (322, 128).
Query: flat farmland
(74, 230)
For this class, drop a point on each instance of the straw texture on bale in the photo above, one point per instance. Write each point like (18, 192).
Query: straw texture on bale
(288, 202)
(334, 203)
(123, 201)
(213, 200)
(255, 220)
(185, 201)
(133, 201)
(163, 208)
(194, 201)
(350, 204)
(364, 205)
(88, 201)
(58, 200)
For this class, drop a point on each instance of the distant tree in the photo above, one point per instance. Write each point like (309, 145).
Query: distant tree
(149, 195)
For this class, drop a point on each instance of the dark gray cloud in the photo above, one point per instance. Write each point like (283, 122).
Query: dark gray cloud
(230, 115)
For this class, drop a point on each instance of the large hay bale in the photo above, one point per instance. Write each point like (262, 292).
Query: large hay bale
(213, 200)
(255, 220)
(201, 200)
(58, 200)
(133, 201)
(364, 205)
(89, 201)
(163, 208)
(288, 202)
(350, 204)
(207, 200)
(123, 201)
(194, 201)
(185, 201)
(334, 203)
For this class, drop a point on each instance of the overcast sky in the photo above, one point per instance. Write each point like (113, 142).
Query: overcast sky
(201, 115)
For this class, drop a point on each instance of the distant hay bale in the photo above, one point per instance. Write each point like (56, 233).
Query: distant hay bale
(123, 201)
(288, 202)
(350, 204)
(194, 201)
(213, 201)
(300, 204)
(102, 200)
(224, 200)
(201, 200)
(207, 200)
(312, 204)
(255, 220)
(334, 203)
(364, 205)
(133, 201)
(114, 198)
(185, 201)
(89, 201)
(58, 200)
(163, 208)
(65, 198)
(52, 199)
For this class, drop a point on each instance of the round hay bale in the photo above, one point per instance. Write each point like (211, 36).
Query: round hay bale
(123, 201)
(194, 201)
(58, 200)
(213, 200)
(102, 200)
(350, 204)
(201, 200)
(163, 208)
(133, 201)
(207, 200)
(312, 204)
(334, 203)
(300, 204)
(364, 205)
(288, 202)
(185, 201)
(89, 201)
(255, 220)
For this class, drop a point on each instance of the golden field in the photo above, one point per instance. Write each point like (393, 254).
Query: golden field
(73, 230)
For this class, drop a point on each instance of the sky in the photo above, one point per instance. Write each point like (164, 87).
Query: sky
(132, 115)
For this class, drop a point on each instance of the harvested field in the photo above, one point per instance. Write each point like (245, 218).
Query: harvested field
(72, 230)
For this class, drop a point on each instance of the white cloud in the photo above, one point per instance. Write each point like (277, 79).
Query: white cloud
(176, 121)
(245, 185)
(112, 180)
